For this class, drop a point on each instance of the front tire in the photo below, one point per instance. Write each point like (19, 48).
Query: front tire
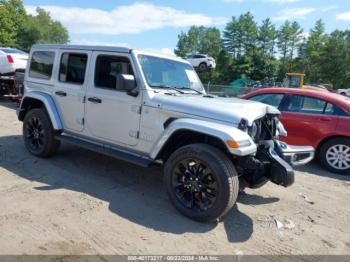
(201, 182)
(38, 134)
(335, 155)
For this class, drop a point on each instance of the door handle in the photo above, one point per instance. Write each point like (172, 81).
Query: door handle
(61, 93)
(325, 119)
(95, 100)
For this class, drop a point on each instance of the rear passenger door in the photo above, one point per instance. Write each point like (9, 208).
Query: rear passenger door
(70, 88)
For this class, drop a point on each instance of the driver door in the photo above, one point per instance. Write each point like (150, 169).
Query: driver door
(111, 114)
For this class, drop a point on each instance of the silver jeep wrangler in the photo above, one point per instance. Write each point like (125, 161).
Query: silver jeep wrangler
(150, 109)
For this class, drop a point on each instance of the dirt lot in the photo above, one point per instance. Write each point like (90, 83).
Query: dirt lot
(81, 202)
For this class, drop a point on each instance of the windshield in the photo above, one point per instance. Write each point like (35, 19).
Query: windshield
(161, 72)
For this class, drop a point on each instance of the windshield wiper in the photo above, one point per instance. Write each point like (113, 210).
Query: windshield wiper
(169, 87)
(192, 89)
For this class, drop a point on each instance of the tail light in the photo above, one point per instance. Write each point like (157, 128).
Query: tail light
(10, 59)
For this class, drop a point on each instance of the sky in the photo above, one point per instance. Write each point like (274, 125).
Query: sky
(155, 24)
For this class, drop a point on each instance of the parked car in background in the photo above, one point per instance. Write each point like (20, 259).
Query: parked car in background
(12, 59)
(202, 62)
(320, 119)
(344, 92)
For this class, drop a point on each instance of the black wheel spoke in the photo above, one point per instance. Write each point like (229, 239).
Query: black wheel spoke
(35, 133)
(194, 184)
(210, 192)
(208, 179)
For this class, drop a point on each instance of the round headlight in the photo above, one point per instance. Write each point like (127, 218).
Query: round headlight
(254, 130)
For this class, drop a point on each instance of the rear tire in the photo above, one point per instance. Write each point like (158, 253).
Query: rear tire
(334, 155)
(38, 134)
(201, 182)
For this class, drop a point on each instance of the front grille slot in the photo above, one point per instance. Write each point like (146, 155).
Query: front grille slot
(266, 128)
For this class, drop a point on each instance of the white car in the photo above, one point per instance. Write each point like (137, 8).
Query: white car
(202, 62)
(12, 59)
(344, 92)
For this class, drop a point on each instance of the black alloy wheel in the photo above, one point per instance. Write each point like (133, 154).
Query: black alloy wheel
(35, 134)
(201, 181)
(38, 133)
(195, 185)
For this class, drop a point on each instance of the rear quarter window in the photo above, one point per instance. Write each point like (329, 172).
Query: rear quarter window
(41, 64)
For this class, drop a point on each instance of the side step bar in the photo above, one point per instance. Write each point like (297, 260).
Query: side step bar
(107, 150)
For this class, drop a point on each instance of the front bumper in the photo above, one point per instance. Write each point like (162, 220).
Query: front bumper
(273, 162)
(296, 155)
(212, 65)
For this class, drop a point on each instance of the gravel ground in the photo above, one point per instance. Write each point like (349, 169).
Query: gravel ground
(80, 202)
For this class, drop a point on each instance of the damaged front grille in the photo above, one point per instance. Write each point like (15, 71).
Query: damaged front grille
(264, 128)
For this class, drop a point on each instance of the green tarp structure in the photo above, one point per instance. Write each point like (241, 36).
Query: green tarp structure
(237, 84)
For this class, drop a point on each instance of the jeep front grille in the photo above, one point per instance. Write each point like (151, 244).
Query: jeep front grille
(264, 128)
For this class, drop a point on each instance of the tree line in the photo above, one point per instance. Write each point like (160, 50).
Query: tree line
(265, 52)
(21, 30)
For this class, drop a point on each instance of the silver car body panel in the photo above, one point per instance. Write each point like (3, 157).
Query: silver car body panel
(223, 132)
(49, 104)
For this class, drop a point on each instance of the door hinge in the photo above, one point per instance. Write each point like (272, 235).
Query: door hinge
(137, 109)
(83, 121)
(84, 99)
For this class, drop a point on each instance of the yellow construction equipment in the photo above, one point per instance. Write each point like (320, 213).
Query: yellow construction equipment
(296, 80)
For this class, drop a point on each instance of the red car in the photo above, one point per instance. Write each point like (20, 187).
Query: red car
(315, 118)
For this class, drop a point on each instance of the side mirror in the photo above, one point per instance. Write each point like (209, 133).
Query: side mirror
(128, 83)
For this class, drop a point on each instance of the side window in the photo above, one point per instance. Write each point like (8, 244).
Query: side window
(294, 82)
(330, 109)
(107, 69)
(336, 111)
(41, 64)
(270, 99)
(308, 105)
(72, 68)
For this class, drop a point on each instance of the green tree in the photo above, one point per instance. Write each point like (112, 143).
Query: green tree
(336, 60)
(199, 39)
(17, 29)
(12, 16)
(7, 32)
(240, 35)
(42, 29)
(267, 35)
(289, 39)
(313, 52)
(240, 41)
(261, 52)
